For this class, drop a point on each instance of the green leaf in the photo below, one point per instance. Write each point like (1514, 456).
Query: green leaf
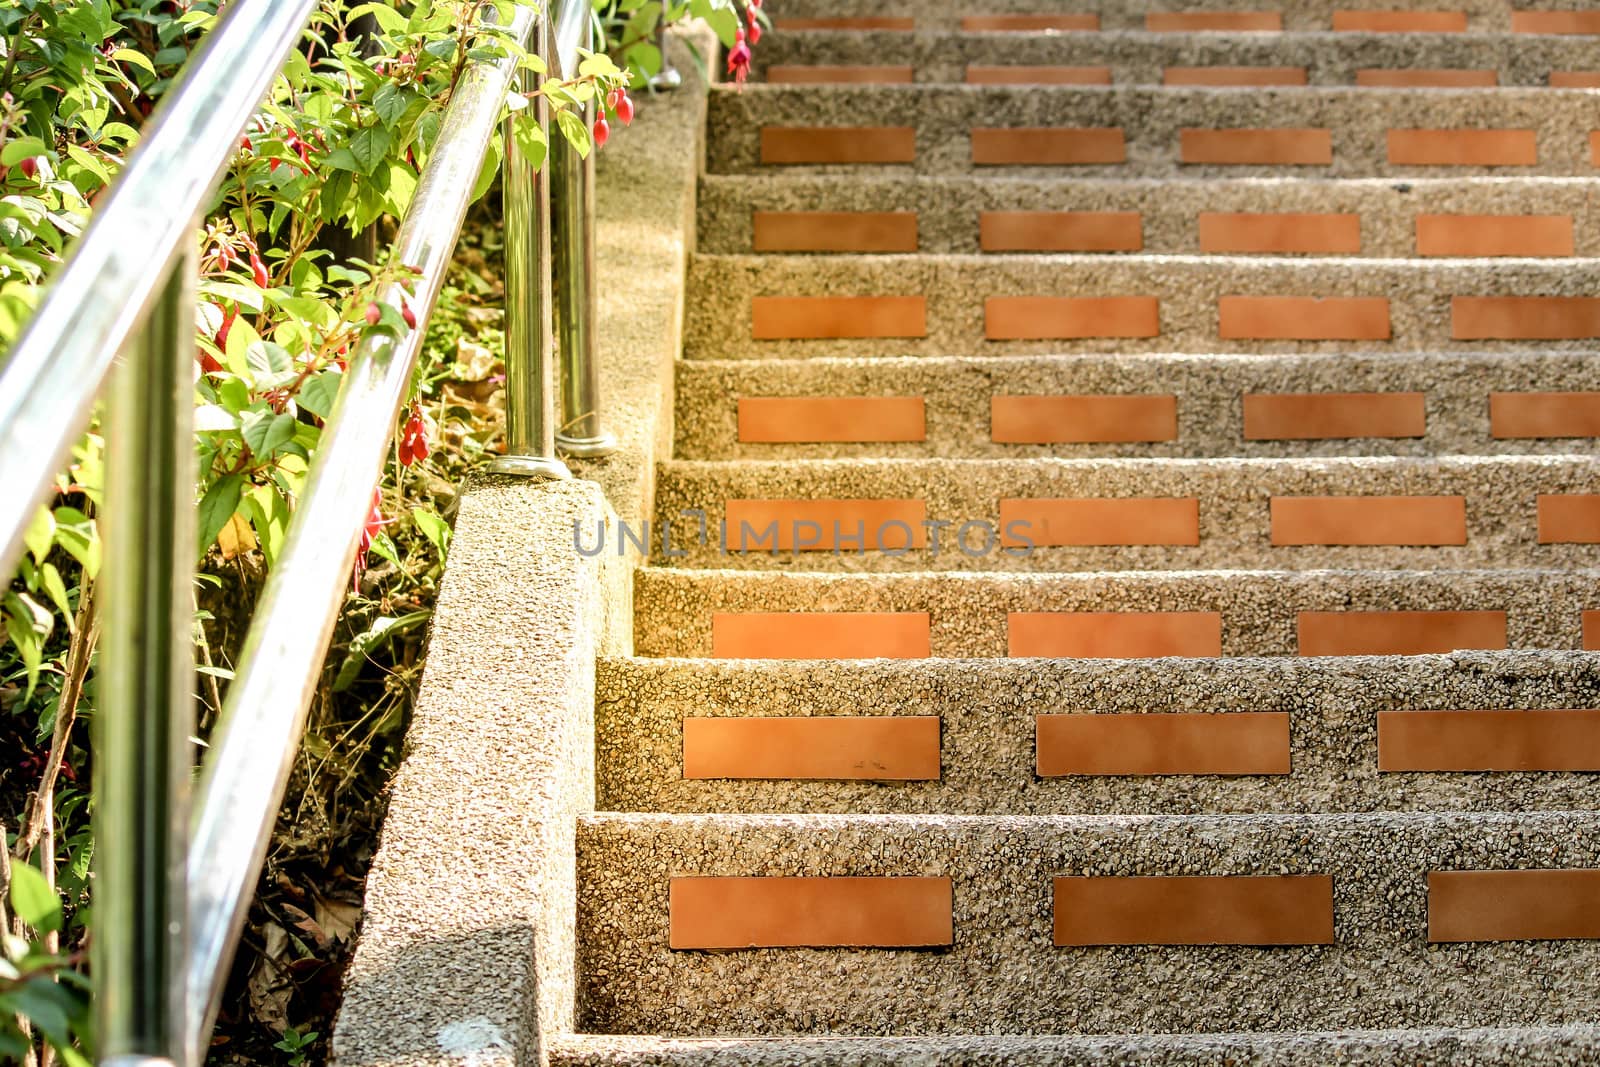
(266, 432)
(40, 534)
(530, 139)
(433, 528)
(56, 589)
(217, 507)
(270, 364)
(388, 19)
(138, 59)
(382, 630)
(576, 133)
(392, 101)
(22, 148)
(318, 394)
(33, 900)
(370, 145)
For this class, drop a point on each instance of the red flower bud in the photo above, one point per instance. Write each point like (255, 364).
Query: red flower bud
(624, 108)
(258, 270)
(224, 257)
(407, 314)
(602, 131)
(221, 337)
(30, 166)
(755, 29)
(374, 313)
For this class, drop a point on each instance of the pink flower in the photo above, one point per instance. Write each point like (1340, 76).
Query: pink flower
(739, 58)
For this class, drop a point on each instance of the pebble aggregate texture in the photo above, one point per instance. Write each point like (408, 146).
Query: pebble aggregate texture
(1004, 975)
(468, 941)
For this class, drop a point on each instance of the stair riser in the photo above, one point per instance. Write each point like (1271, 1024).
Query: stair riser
(948, 210)
(957, 396)
(1003, 973)
(1259, 612)
(987, 746)
(1140, 58)
(1151, 120)
(1421, 306)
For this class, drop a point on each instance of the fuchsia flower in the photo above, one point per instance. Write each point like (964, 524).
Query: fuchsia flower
(414, 438)
(370, 530)
(739, 58)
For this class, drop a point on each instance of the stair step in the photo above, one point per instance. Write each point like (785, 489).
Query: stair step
(1157, 405)
(1146, 131)
(1133, 514)
(1380, 218)
(1309, 922)
(1200, 614)
(1152, 735)
(853, 306)
(1135, 56)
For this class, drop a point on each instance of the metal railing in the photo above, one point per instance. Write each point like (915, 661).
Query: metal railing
(172, 890)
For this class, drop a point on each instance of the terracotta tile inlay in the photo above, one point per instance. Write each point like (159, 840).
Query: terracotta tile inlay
(838, 144)
(1525, 905)
(1463, 148)
(1555, 22)
(843, 747)
(1294, 909)
(1513, 415)
(1399, 633)
(1575, 79)
(1400, 21)
(1047, 146)
(1060, 231)
(1591, 631)
(979, 74)
(1035, 318)
(1569, 519)
(1049, 420)
(1255, 742)
(820, 74)
(1369, 520)
(1113, 634)
(834, 231)
(1252, 232)
(1026, 23)
(827, 419)
(824, 525)
(1594, 149)
(820, 635)
(1435, 78)
(776, 318)
(1494, 235)
(1303, 318)
(1524, 318)
(1263, 147)
(1333, 416)
(1218, 21)
(1101, 521)
(1489, 740)
(869, 22)
(1233, 76)
(727, 913)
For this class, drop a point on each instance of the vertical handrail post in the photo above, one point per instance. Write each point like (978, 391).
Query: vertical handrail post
(529, 329)
(144, 715)
(572, 240)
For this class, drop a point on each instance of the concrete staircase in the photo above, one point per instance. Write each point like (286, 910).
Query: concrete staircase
(1131, 551)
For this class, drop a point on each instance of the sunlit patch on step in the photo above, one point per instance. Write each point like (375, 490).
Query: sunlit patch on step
(979, 74)
(1294, 909)
(1569, 519)
(1434, 78)
(1555, 22)
(1257, 232)
(1463, 148)
(1521, 415)
(833, 231)
(1057, 318)
(779, 318)
(1575, 79)
(1524, 318)
(825, 525)
(823, 912)
(1303, 318)
(1224, 76)
(1047, 420)
(1333, 416)
(830, 747)
(1489, 740)
(1257, 147)
(1029, 23)
(1213, 21)
(1525, 905)
(821, 635)
(838, 144)
(1400, 21)
(1060, 231)
(799, 74)
(1369, 520)
(865, 22)
(1088, 522)
(1494, 235)
(1398, 633)
(1047, 146)
(1230, 743)
(829, 419)
(1113, 634)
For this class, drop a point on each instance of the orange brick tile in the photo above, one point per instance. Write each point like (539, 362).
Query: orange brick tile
(1463, 148)
(822, 74)
(1195, 910)
(838, 144)
(1489, 740)
(1100, 521)
(841, 747)
(1431, 78)
(1517, 905)
(1044, 420)
(1330, 416)
(825, 525)
(1400, 21)
(730, 913)
(1263, 147)
(1517, 415)
(1494, 235)
(1022, 318)
(1555, 22)
(1060, 231)
(1575, 79)
(775, 318)
(1569, 519)
(1254, 742)
(1369, 520)
(834, 231)
(1399, 633)
(1524, 318)
(1253, 232)
(1234, 76)
(1303, 318)
(826, 419)
(820, 635)
(1213, 21)
(1591, 631)
(1113, 634)
(1047, 146)
(1029, 23)
(980, 74)
(869, 22)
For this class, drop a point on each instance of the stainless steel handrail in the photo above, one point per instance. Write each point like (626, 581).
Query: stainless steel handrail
(173, 897)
